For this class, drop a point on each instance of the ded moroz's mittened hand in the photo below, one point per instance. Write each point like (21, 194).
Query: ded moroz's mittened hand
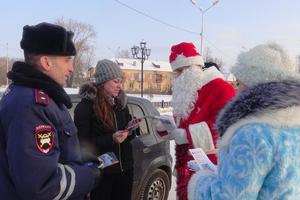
(179, 135)
(160, 129)
(159, 126)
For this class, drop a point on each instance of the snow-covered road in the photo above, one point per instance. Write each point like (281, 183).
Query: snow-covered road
(172, 194)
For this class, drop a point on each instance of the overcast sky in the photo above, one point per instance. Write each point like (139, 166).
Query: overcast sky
(230, 26)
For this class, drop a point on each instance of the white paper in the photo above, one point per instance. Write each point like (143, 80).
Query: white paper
(203, 161)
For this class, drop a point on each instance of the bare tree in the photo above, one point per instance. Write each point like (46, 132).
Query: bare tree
(5, 66)
(124, 53)
(84, 35)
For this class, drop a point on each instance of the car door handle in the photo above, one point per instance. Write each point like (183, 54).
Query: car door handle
(146, 150)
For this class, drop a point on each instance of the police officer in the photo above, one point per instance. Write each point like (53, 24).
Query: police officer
(39, 148)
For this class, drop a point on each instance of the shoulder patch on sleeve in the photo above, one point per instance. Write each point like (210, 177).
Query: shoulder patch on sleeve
(44, 138)
(40, 97)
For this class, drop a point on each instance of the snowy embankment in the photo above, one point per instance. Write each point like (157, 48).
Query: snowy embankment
(154, 97)
(158, 100)
(172, 193)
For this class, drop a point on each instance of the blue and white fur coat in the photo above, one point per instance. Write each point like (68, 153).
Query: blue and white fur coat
(259, 147)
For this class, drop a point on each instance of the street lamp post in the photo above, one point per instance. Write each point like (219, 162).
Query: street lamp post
(202, 16)
(145, 53)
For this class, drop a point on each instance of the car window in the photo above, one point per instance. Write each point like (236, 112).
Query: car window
(137, 112)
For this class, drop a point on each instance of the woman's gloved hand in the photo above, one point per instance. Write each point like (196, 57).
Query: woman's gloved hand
(120, 136)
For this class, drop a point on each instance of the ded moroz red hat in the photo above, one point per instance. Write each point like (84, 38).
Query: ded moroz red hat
(184, 54)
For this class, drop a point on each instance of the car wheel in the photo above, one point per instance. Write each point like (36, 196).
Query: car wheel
(156, 186)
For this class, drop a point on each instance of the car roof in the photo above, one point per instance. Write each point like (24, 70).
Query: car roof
(142, 102)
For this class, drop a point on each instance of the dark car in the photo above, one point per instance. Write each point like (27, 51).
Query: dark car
(152, 158)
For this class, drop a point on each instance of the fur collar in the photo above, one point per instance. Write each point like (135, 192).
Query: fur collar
(281, 118)
(27, 75)
(210, 74)
(261, 102)
(89, 91)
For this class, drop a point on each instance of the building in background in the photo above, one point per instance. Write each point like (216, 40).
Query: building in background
(158, 76)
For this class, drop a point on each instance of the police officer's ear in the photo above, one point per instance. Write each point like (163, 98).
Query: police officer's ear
(46, 63)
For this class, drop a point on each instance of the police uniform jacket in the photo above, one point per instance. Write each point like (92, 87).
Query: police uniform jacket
(39, 152)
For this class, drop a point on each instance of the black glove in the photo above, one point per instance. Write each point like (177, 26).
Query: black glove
(98, 174)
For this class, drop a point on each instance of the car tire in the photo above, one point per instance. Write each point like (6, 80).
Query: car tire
(156, 186)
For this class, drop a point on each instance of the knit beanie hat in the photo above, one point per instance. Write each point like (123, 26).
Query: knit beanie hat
(264, 63)
(107, 70)
(184, 54)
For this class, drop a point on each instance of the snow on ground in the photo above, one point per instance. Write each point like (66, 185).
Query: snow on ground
(154, 97)
(2, 89)
(150, 97)
(172, 193)
(72, 90)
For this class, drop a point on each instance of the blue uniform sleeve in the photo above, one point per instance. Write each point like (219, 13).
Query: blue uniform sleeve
(241, 171)
(36, 168)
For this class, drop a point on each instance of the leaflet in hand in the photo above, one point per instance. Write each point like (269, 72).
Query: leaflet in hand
(203, 161)
(133, 124)
(107, 159)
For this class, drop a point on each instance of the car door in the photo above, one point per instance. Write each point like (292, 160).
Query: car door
(144, 144)
(150, 153)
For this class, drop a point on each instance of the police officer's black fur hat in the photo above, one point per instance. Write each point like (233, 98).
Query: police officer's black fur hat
(49, 39)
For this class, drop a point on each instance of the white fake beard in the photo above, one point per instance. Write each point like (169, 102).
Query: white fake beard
(185, 91)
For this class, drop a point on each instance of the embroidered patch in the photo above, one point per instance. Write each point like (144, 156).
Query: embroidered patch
(44, 138)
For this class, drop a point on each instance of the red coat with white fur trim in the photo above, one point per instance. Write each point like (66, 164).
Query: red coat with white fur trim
(199, 127)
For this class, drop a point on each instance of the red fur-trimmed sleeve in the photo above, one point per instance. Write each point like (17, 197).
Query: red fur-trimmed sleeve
(211, 99)
(221, 92)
